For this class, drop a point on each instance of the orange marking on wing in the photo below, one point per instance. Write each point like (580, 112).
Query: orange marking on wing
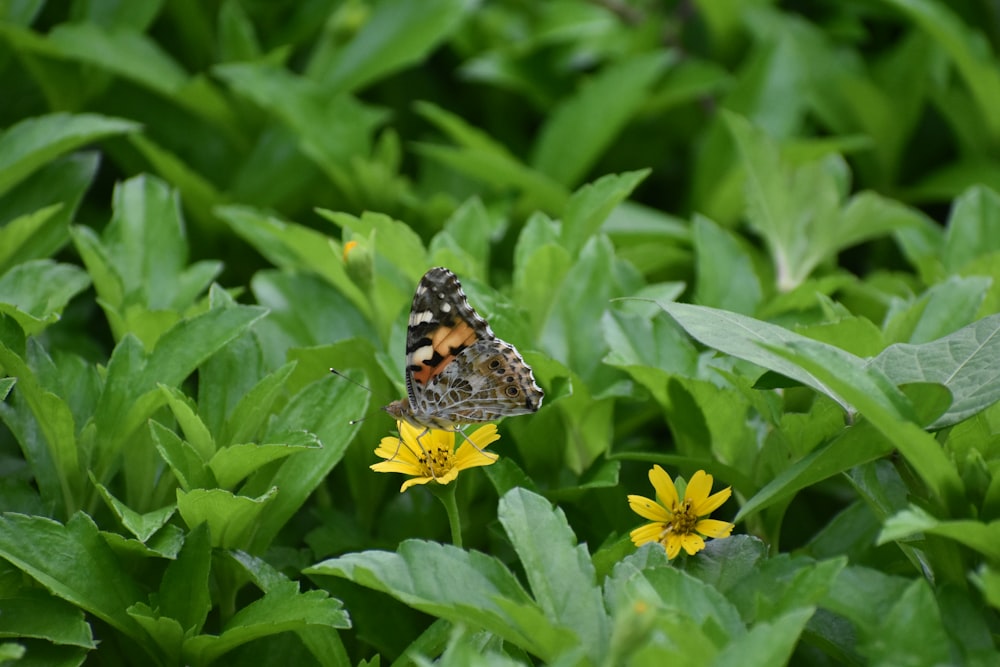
(446, 339)
(443, 342)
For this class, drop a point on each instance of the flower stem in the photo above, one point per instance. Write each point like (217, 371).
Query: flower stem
(446, 494)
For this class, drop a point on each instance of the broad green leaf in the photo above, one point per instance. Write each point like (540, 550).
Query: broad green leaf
(745, 338)
(72, 562)
(726, 277)
(914, 616)
(982, 537)
(18, 232)
(767, 643)
(142, 526)
(967, 50)
(196, 433)
(858, 444)
(185, 590)
(253, 407)
(460, 586)
(582, 126)
(136, 57)
(973, 227)
(295, 247)
(57, 465)
(199, 193)
(43, 617)
(165, 633)
(965, 362)
(880, 402)
(485, 159)
(284, 609)
(591, 205)
(394, 36)
(331, 128)
(61, 183)
(35, 292)
(233, 463)
(559, 571)
(184, 461)
(231, 519)
(939, 311)
(327, 407)
(32, 143)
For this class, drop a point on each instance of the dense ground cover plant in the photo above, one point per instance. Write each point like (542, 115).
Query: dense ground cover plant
(748, 244)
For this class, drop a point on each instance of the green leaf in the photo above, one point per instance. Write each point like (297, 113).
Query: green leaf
(914, 615)
(295, 247)
(966, 363)
(16, 234)
(142, 526)
(746, 338)
(28, 145)
(327, 406)
(726, 277)
(135, 56)
(590, 206)
(582, 126)
(35, 292)
(460, 586)
(42, 617)
(939, 311)
(196, 433)
(482, 158)
(185, 591)
(982, 537)
(73, 563)
(768, 643)
(233, 463)
(966, 49)
(559, 571)
(231, 519)
(283, 609)
(188, 467)
(878, 400)
(858, 444)
(393, 37)
(973, 228)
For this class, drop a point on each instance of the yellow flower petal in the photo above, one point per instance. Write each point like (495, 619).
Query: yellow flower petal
(713, 502)
(714, 528)
(484, 436)
(397, 465)
(692, 543)
(395, 449)
(673, 545)
(648, 509)
(698, 488)
(415, 480)
(645, 534)
(666, 492)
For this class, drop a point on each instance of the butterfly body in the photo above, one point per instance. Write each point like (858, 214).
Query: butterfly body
(457, 371)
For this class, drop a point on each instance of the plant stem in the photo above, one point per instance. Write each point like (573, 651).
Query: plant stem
(446, 494)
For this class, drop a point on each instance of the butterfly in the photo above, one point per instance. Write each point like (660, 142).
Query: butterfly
(457, 371)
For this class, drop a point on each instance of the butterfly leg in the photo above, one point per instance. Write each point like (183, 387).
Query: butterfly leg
(489, 455)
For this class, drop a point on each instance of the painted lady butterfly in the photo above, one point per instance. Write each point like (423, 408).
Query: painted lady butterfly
(457, 371)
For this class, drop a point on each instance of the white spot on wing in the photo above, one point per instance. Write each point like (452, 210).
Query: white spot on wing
(445, 308)
(421, 317)
(422, 354)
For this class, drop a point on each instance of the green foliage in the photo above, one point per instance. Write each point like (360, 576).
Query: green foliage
(205, 206)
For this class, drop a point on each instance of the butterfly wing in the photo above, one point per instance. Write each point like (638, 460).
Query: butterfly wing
(453, 360)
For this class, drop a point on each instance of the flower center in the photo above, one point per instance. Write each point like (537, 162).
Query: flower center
(435, 463)
(684, 519)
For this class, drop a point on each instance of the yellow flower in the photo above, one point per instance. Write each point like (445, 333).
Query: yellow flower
(679, 523)
(348, 247)
(433, 457)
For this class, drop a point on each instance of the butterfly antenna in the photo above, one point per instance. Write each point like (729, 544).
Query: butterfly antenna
(365, 387)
